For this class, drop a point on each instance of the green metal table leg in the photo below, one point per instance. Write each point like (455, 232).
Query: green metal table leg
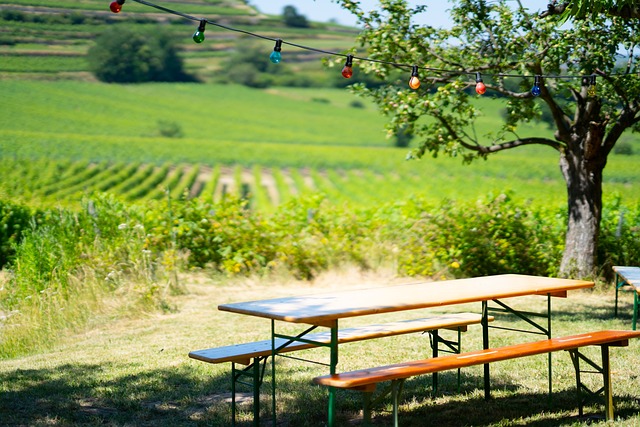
(256, 393)
(273, 371)
(233, 394)
(332, 370)
(434, 353)
(549, 336)
(618, 283)
(636, 301)
(485, 345)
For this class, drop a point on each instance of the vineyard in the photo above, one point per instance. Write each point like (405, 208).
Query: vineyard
(62, 140)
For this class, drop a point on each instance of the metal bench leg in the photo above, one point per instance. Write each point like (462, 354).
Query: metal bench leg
(257, 374)
(449, 347)
(396, 389)
(606, 375)
(366, 408)
(583, 392)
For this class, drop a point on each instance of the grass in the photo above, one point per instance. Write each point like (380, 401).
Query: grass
(136, 371)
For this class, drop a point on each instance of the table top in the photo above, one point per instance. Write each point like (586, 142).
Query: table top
(324, 307)
(631, 275)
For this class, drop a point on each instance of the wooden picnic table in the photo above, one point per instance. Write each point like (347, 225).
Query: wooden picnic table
(326, 309)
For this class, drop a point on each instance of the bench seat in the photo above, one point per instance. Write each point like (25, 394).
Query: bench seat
(243, 353)
(366, 379)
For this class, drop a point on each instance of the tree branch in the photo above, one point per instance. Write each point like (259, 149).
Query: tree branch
(486, 149)
(626, 11)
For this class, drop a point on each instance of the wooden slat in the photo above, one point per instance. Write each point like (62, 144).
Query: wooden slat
(241, 353)
(363, 377)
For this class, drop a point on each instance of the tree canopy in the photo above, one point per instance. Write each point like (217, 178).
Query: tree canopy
(592, 96)
(584, 8)
(123, 55)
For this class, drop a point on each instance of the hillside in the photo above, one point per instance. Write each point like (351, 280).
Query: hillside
(44, 40)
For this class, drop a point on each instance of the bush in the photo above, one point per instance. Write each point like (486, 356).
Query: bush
(623, 148)
(14, 221)
(122, 55)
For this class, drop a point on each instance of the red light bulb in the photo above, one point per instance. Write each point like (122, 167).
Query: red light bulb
(347, 70)
(480, 87)
(115, 7)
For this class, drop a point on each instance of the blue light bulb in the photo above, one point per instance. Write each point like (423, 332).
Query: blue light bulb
(535, 90)
(276, 56)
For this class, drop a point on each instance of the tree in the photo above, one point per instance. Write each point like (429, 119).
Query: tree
(292, 19)
(506, 44)
(122, 55)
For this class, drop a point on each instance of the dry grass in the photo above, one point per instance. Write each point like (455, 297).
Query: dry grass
(136, 371)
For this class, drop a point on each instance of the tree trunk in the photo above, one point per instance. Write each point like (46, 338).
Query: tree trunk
(583, 176)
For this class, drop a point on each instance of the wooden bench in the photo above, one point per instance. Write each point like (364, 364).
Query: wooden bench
(253, 355)
(628, 278)
(366, 380)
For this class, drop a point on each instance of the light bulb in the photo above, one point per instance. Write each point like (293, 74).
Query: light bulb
(116, 6)
(347, 70)
(591, 90)
(414, 81)
(276, 56)
(535, 90)
(480, 86)
(198, 36)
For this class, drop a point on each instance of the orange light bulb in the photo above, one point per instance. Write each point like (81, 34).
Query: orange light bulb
(414, 81)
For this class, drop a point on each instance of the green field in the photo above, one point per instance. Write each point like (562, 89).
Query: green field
(277, 142)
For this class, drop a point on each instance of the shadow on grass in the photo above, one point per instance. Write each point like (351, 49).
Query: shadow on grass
(97, 395)
(87, 395)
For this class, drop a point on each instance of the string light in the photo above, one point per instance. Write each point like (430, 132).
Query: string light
(198, 36)
(480, 86)
(276, 56)
(535, 90)
(116, 6)
(347, 70)
(414, 81)
(591, 90)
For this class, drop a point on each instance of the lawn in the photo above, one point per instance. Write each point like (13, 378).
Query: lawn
(135, 371)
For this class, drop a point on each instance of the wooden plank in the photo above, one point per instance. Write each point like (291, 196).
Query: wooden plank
(240, 353)
(363, 377)
(323, 307)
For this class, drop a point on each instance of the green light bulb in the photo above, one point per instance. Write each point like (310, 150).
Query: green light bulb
(198, 36)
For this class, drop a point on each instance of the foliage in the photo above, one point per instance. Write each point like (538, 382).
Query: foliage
(123, 55)
(14, 220)
(292, 18)
(69, 265)
(504, 42)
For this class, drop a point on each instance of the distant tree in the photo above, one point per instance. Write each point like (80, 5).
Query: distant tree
(292, 19)
(126, 56)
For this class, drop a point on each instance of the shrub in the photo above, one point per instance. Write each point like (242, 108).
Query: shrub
(14, 220)
(123, 55)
